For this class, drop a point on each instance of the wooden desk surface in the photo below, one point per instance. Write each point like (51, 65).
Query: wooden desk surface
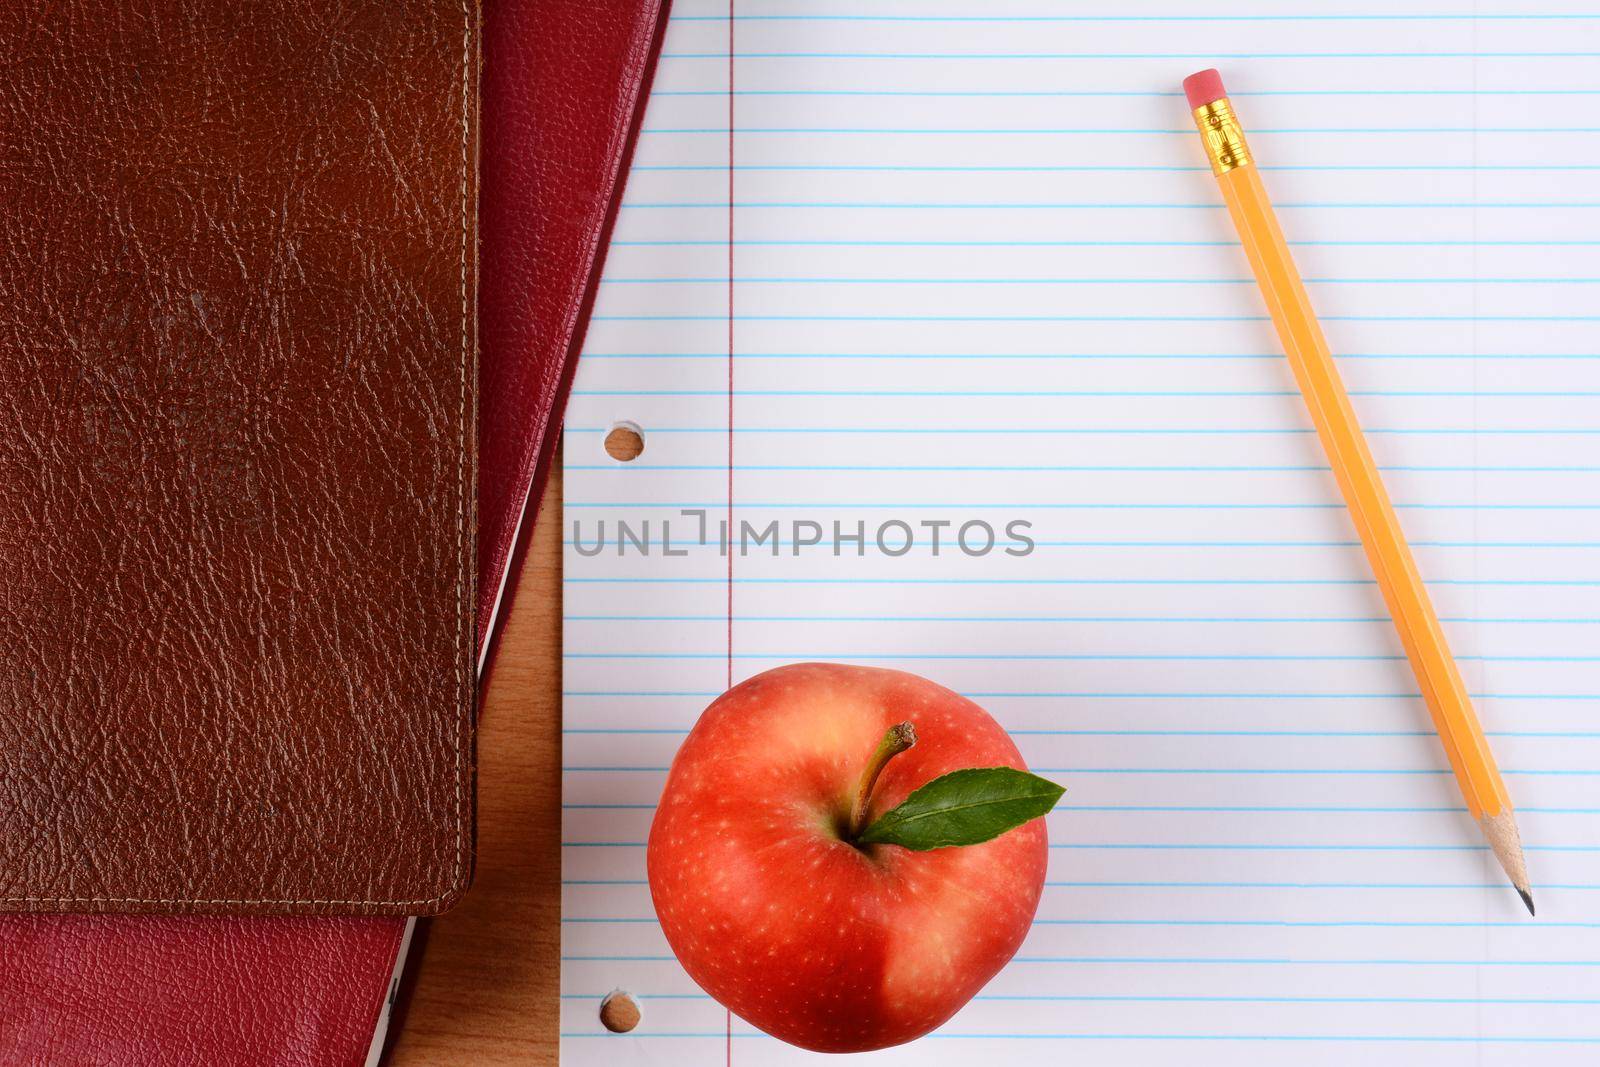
(486, 993)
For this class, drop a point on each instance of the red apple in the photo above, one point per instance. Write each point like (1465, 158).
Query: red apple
(775, 911)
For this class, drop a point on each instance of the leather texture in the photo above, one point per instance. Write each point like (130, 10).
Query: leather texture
(191, 991)
(237, 456)
(111, 991)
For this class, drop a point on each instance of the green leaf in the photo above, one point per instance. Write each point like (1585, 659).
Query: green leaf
(964, 808)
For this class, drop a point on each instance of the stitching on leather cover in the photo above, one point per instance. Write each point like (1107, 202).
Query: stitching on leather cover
(461, 537)
(461, 449)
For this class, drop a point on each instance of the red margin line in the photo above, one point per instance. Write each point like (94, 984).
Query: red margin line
(729, 1014)
(730, 344)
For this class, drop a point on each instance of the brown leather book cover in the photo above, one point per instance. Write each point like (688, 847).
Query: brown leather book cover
(237, 456)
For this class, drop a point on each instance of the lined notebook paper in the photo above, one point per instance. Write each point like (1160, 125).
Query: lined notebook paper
(961, 262)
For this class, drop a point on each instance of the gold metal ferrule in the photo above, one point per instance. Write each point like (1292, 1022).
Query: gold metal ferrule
(1224, 139)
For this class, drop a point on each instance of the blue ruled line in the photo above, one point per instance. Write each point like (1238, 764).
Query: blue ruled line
(1045, 582)
(1168, 431)
(1063, 506)
(966, 356)
(1109, 998)
(1068, 618)
(1076, 355)
(1111, 695)
(902, 168)
(1398, 771)
(1386, 886)
(641, 692)
(1088, 205)
(978, 394)
(1000, 19)
(1213, 847)
(1289, 924)
(1072, 657)
(720, 1035)
(1186, 809)
(1082, 318)
(713, 280)
(1275, 960)
(1430, 887)
(1135, 94)
(1139, 619)
(1532, 734)
(1120, 56)
(1261, 468)
(1103, 243)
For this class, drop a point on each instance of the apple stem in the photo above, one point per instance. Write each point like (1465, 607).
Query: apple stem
(899, 738)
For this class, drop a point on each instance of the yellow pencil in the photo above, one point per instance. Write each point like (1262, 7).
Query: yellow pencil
(1357, 475)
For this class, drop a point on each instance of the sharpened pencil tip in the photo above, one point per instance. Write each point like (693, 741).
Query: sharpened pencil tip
(1527, 898)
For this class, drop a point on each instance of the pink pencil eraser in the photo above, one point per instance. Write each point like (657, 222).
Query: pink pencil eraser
(1203, 88)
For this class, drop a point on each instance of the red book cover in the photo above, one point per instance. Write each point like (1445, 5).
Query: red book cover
(564, 85)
